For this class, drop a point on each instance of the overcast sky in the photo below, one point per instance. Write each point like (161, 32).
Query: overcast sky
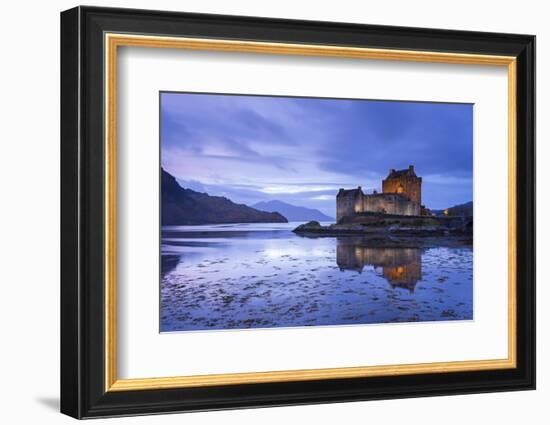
(302, 150)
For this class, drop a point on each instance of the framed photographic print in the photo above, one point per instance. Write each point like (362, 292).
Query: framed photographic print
(261, 212)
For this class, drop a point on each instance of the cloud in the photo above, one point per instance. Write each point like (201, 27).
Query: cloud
(292, 189)
(377, 136)
(447, 179)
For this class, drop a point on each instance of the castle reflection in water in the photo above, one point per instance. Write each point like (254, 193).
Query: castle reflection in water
(401, 267)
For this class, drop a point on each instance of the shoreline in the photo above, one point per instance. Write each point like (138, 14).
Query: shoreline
(393, 232)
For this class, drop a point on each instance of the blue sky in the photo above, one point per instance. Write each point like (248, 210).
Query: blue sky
(302, 150)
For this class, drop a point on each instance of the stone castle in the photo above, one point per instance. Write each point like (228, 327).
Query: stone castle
(401, 195)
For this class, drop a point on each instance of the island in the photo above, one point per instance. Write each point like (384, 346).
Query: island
(396, 215)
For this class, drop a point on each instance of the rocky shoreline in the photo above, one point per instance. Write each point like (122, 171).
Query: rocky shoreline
(386, 230)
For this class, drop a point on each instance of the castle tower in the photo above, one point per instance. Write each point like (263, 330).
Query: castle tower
(404, 182)
(349, 202)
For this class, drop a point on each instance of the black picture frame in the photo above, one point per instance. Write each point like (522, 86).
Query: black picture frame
(83, 392)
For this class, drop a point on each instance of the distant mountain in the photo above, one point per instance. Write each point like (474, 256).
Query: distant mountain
(464, 210)
(185, 206)
(292, 212)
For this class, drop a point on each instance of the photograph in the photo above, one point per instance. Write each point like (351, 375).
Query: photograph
(280, 212)
(284, 210)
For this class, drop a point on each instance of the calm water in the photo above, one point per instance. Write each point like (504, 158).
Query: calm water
(262, 275)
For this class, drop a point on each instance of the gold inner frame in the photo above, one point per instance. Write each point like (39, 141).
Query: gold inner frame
(113, 41)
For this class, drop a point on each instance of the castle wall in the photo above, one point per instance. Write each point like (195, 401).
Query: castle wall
(412, 187)
(390, 204)
(347, 205)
